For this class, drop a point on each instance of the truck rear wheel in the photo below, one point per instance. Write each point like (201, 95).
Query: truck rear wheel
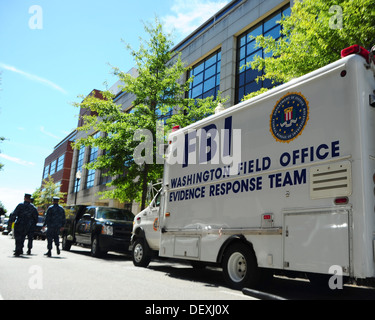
(240, 266)
(141, 253)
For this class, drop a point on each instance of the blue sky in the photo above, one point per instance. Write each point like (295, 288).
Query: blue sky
(51, 54)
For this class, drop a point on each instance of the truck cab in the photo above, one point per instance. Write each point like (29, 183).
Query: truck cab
(146, 236)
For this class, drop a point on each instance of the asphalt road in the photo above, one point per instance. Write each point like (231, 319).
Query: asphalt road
(75, 275)
(78, 276)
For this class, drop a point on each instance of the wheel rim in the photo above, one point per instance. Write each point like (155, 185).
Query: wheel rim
(138, 252)
(237, 267)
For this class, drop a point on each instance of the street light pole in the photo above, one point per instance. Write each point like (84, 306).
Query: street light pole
(78, 178)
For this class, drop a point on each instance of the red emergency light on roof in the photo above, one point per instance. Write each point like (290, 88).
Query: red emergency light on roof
(355, 49)
(175, 128)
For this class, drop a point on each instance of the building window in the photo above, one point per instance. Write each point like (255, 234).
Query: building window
(104, 178)
(53, 167)
(60, 163)
(206, 74)
(246, 52)
(46, 172)
(80, 158)
(90, 179)
(92, 157)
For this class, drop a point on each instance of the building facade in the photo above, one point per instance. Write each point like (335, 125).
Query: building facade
(58, 164)
(217, 54)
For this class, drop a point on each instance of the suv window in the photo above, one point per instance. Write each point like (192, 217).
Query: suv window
(114, 214)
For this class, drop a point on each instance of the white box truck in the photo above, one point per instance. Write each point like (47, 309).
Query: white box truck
(283, 182)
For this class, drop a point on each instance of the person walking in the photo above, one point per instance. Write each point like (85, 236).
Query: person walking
(25, 218)
(55, 221)
(31, 231)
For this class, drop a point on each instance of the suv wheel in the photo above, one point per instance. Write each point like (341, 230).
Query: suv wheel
(95, 247)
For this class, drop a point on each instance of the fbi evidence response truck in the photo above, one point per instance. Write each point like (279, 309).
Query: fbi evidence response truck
(283, 182)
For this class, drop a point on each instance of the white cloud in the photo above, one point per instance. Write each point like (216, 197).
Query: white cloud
(33, 77)
(43, 130)
(17, 160)
(190, 14)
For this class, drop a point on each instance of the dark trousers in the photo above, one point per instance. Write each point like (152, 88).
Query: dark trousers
(19, 236)
(52, 236)
(30, 237)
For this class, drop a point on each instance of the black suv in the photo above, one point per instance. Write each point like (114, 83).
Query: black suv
(101, 228)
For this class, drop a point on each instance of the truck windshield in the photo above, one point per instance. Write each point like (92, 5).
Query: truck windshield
(114, 214)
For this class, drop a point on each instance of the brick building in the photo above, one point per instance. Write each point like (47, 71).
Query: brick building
(58, 164)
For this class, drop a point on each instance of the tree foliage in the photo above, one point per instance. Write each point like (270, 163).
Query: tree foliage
(43, 197)
(313, 36)
(157, 90)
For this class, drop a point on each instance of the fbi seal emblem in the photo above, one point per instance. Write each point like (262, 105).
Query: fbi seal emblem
(289, 117)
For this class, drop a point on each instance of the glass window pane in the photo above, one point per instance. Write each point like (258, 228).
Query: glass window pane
(254, 33)
(210, 61)
(209, 84)
(198, 79)
(242, 53)
(271, 22)
(274, 33)
(210, 72)
(197, 91)
(250, 48)
(198, 69)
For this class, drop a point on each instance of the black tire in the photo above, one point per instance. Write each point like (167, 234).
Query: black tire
(66, 244)
(240, 266)
(141, 253)
(96, 251)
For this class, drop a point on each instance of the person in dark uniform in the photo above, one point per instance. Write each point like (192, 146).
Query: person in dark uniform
(31, 231)
(55, 220)
(25, 217)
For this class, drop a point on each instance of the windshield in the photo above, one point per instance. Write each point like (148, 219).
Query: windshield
(114, 214)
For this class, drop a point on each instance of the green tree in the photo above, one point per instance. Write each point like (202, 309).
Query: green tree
(313, 36)
(3, 211)
(43, 196)
(157, 90)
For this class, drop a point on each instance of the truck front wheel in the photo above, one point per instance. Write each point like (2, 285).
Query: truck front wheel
(141, 253)
(240, 266)
(96, 251)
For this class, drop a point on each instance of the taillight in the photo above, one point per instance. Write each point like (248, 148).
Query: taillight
(355, 49)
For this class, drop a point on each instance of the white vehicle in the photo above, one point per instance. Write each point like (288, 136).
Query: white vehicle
(282, 183)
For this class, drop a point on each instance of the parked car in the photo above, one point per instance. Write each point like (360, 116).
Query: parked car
(39, 233)
(6, 227)
(101, 228)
